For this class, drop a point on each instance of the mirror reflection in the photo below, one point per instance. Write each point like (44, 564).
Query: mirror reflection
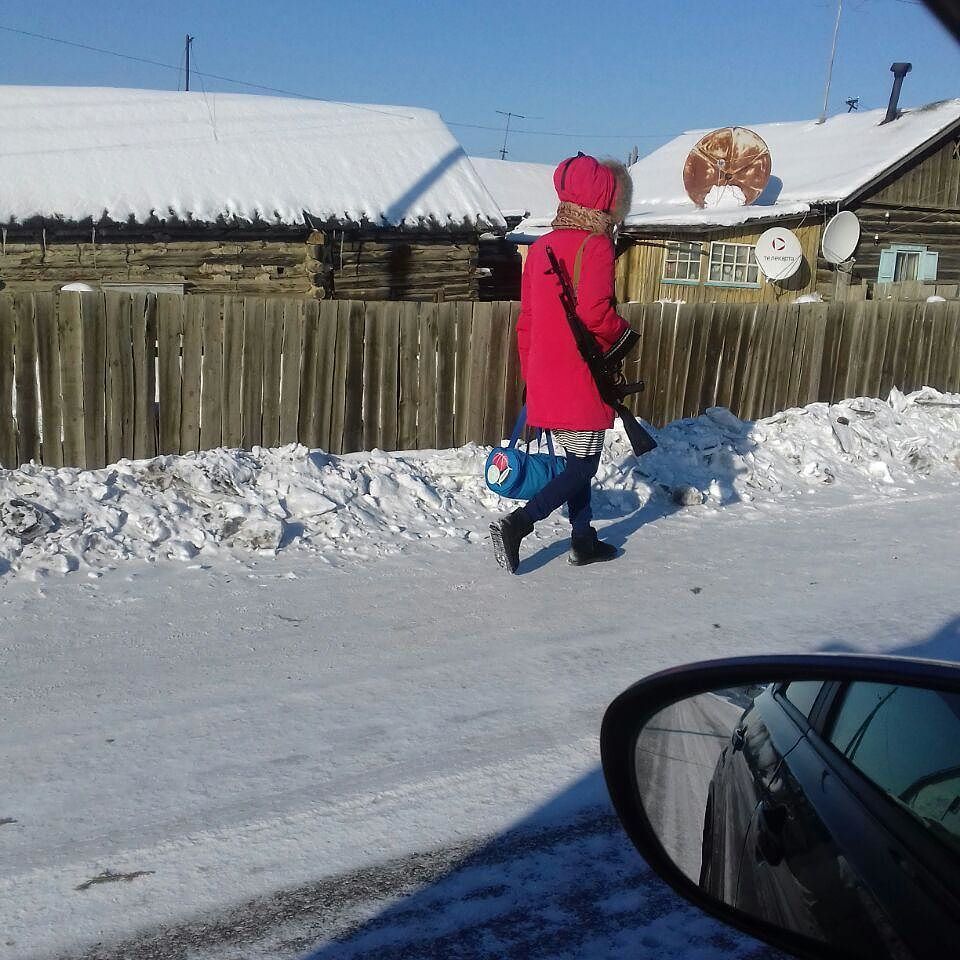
(831, 809)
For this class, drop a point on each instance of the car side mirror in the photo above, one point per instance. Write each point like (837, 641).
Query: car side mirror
(812, 802)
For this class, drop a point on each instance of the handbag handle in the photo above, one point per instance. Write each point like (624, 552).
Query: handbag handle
(519, 427)
(549, 434)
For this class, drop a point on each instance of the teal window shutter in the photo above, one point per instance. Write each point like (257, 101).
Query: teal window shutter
(888, 263)
(928, 266)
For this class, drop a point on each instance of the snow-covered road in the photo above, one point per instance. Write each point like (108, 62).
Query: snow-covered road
(407, 747)
(372, 742)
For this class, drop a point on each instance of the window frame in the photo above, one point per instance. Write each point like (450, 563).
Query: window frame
(923, 252)
(814, 707)
(875, 801)
(751, 262)
(682, 281)
(908, 251)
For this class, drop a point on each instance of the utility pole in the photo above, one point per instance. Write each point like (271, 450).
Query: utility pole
(833, 53)
(187, 43)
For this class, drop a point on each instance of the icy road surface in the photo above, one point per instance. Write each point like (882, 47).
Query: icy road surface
(399, 757)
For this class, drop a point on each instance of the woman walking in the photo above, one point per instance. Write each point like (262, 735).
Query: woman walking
(561, 393)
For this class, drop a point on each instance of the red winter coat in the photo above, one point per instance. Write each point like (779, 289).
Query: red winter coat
(561, 394)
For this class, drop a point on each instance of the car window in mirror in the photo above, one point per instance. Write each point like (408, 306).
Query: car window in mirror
(906, 741)
(803, 694)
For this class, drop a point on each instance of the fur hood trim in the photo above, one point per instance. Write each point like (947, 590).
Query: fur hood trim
(624, 195)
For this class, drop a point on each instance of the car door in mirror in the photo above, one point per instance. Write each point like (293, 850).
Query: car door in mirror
(829, 808)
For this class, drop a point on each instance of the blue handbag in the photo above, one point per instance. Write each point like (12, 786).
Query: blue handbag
(519, 474)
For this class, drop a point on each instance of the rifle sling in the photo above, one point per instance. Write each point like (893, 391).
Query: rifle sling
(578, 260)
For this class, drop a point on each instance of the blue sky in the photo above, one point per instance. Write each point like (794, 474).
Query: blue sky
(604, 75)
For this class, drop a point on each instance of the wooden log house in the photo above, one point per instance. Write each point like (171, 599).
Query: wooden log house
(898, 171)
(214, 193)
(522, 191)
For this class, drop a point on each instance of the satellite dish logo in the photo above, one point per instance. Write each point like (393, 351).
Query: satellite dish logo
(778, 243)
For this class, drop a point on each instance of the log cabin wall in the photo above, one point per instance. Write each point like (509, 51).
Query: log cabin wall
(393, 265)
(640, 267)
(44, 259)
(340, 264)
(919, 205)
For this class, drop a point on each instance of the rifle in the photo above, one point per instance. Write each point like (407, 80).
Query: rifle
(604, 367)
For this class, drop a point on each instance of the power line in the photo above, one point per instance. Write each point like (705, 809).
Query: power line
(210, 76)
(306, 96)
(563, 133)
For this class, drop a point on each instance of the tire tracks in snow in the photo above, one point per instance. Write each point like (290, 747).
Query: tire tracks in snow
(576, 889)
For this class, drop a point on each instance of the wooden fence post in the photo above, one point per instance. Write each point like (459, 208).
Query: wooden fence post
(446, 373)
(254, 318)
(48, 362)
(8, 426)
(25, 378)
(410, 366)
(193, 320)
(290, 373)
(94, 339)
(211, 375)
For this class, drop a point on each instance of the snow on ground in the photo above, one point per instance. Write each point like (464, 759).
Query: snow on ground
(259, 756)
(197, 506)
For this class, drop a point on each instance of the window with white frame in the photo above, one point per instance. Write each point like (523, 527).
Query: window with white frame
(734, 263)
(681, 261)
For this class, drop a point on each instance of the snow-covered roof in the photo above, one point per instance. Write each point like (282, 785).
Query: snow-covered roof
(79, 152)
(520, 189)
(812, 163)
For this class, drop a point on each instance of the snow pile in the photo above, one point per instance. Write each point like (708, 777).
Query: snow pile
(726, 197)
(867, 445)
(366, 505)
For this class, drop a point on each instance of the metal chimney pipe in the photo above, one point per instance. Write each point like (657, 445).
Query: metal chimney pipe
(899, 71)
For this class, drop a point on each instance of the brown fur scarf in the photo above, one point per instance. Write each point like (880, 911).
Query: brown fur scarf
(571, 216)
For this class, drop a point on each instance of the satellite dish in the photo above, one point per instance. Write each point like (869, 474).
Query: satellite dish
(840, 237)
(778, 253)
(727, 167)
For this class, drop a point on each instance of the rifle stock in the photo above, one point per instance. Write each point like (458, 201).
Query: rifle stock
(612, 391)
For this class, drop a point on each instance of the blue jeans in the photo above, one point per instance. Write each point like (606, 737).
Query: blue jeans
(571, 487)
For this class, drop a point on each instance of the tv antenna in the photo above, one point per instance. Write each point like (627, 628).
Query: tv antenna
(506, 130)
(853, 104)
(833, 53)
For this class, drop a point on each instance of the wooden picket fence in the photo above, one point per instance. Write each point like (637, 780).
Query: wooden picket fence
(88, 379)
(903, 290)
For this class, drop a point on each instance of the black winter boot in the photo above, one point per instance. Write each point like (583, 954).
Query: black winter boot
(506, 534)
(586, 548)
